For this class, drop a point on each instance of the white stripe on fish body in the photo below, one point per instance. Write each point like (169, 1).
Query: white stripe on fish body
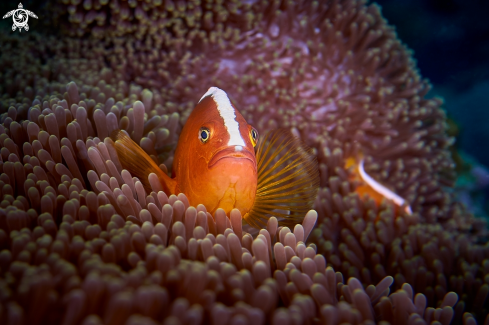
(381, 189)
(226, 110)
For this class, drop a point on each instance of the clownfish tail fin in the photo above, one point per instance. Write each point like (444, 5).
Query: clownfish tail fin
(288, 180)
(135, 160)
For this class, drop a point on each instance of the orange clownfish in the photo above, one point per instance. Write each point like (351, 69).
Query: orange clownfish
(215, 165)
(373, 188)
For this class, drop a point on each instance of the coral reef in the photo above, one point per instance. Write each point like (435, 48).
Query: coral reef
(82, 242)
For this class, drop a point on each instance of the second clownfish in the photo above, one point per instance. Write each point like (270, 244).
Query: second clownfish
(215, 165)
(372, 188)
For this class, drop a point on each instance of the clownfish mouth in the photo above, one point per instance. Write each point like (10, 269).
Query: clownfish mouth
(235, 152)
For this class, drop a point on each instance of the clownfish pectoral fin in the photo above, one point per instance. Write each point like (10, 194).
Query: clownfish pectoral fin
(288, 180)
(139, 163)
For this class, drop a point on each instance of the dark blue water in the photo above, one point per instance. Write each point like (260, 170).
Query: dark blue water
(450, 39)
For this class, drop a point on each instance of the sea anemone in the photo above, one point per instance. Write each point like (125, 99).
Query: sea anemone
(83, 242)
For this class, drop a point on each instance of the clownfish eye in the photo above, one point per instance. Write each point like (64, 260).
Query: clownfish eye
(253, 137)
(204, 134)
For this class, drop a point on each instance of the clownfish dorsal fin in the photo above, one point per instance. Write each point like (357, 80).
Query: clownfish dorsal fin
(139, 163)
(288, 180)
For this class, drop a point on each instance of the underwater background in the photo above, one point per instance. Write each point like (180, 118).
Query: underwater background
(450, 40)
(82, 242)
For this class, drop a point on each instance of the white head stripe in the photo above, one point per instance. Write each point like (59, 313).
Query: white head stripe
(381, 189)
(226, 110)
